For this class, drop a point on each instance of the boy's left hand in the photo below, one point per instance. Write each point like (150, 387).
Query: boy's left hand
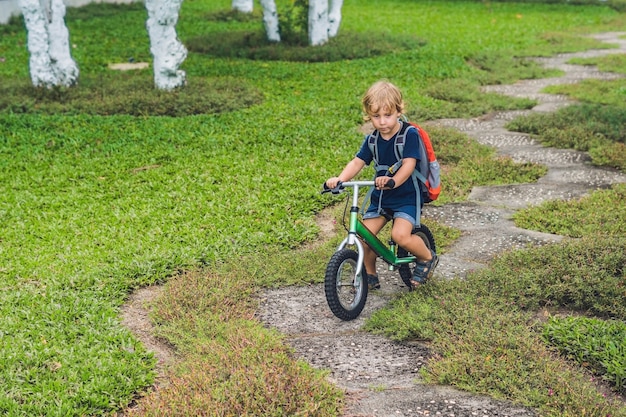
(384, 182)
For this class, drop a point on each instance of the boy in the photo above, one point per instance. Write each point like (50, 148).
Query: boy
(383, 106)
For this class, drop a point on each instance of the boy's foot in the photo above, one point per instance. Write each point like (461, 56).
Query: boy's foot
(372, 282)
(424, 270)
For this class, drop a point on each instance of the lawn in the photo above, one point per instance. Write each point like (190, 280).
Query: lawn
(110, 187)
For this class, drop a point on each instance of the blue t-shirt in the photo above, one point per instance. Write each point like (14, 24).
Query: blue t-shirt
(403, 195)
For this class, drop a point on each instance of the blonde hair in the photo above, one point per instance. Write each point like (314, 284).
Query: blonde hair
(381, 96)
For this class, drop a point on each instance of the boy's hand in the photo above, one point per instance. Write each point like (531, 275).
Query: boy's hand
(332, 182)
(384, 182)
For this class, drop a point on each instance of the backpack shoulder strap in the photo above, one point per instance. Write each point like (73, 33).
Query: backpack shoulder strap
(416, 175)
(401, 138)
(422, 137)
(372, 143)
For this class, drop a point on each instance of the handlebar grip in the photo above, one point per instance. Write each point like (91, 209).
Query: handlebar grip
(390, 184)
(335, 190)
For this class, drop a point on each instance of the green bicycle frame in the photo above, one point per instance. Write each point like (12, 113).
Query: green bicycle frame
(357, 232)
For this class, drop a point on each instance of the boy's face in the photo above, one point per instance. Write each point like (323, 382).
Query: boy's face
(385, 120)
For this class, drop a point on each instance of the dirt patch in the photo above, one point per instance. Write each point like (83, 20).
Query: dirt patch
(380, 376)
(135, 314)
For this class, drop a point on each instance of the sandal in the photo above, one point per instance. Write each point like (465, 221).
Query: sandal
(372, 282)
(424, 271)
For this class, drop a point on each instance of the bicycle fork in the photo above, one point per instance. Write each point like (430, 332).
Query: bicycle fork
(357, 229)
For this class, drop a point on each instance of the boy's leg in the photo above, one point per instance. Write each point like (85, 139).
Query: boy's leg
(369, 256)
(426, 259)
(401, 234)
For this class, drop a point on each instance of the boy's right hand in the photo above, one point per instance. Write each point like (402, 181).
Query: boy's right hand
(332, 182)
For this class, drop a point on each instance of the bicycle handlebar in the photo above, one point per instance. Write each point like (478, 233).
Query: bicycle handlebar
(342, 185)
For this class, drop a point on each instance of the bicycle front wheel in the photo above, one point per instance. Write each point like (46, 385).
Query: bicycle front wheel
(346, 292)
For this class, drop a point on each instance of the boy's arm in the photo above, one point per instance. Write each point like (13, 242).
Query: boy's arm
(352, 168)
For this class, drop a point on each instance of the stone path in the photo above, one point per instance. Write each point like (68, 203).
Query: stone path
(381, 376)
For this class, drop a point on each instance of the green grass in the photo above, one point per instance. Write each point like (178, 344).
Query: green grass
(609, 63)
(486, 338)
(106, 188)
(596, 126)
(600, 345)
(572, 218)
(598, 129)
(254, 45)
(129, 93)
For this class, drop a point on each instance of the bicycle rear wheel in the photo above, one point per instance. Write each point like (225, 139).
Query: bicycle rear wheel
(346, 292)
(406, 270)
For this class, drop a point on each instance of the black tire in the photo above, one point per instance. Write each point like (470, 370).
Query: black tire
(406, 270)
(346, 292)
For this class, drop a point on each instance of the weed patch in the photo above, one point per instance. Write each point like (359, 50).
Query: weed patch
(462, 98)
(579, 218)
(485, 339)
(130, 94)
(467, 163)
(500, 68)
(596, 344)
(576, 275)
(594, 128)
(230, 361)
(254, 45)
(609, 63)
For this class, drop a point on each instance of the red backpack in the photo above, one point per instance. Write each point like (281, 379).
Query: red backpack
(426, 176)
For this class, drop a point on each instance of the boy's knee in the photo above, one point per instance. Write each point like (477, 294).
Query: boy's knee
(400, 237)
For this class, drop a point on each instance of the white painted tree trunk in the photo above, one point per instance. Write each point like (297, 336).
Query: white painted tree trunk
(318, 22)
(51, 63)
(334, 17)
(244, 6)
(167, 51)
(270, 20)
